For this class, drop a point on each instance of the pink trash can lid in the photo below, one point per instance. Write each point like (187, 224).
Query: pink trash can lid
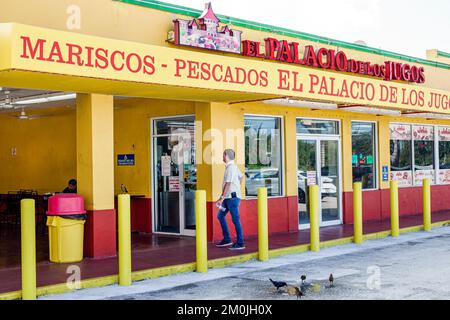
(65, 204)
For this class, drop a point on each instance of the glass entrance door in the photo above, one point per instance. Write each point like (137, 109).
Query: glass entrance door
(174, 176)
(318, 162)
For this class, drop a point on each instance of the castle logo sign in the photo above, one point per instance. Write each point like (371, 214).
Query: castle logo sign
(204, 33)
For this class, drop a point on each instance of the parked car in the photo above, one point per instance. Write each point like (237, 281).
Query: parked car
(265, 178)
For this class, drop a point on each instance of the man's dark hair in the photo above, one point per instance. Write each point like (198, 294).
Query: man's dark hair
(73, 182)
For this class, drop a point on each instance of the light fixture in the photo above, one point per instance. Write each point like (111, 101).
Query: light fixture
(428, 115)
(46, 98)
(371, 110)
(301, 104)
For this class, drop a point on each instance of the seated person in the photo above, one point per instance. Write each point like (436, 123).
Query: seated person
(71, 187)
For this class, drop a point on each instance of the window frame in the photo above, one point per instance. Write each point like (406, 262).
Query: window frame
(376, 153)
(435, 150)
(282, 155)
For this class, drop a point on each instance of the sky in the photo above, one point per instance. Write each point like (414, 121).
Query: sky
(409, 27)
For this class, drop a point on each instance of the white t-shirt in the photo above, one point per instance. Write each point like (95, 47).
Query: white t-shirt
(233, 175)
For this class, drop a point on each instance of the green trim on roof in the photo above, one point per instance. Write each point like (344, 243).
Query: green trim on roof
(173, 8)
(443, 54)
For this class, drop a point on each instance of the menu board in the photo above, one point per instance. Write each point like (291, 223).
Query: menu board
(419, 175)
(423, 133)
(404, 178)
(400, 131)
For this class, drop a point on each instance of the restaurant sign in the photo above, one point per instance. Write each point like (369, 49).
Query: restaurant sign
(203, 33)
(58, 53)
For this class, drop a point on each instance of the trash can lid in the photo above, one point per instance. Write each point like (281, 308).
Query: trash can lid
(65, 204)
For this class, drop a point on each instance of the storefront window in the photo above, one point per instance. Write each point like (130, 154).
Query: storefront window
(401, 154)
(263, 155)
(423, 153)
(363, 154)
(312, 126)
(444, 155)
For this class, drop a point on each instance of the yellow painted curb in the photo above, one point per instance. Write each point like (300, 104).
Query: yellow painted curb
(162, 272)
(289, 250)
(215, 263)
(228, 261)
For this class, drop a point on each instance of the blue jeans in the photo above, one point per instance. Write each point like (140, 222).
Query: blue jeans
(232, 206)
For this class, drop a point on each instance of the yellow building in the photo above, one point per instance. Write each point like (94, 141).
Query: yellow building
(131, 99)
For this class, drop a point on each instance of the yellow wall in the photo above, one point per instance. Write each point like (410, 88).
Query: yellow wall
(46, 157)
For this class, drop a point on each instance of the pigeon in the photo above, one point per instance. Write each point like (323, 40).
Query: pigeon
(123, 188)
(303, 277)
(298, 293)
(278, 284)
(331, 280)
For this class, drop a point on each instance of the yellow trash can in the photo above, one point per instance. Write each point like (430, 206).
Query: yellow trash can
(65, 220)
(65, 239)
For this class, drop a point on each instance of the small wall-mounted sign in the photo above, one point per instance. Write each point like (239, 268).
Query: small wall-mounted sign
(385, 172)
(126, 160)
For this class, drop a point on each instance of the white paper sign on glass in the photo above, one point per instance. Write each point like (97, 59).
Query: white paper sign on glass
(404, 178)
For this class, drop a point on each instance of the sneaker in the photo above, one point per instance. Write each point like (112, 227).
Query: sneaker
(237, 247)
(224, 243)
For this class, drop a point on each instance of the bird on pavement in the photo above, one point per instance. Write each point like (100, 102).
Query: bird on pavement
(303, 277)
(278, 284)
(331, 280)
(295, 291)
(298, 293)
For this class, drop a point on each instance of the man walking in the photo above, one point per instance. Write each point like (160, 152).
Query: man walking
(229, 202)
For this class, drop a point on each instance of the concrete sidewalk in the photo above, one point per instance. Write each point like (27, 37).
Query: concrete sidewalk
(156, 288)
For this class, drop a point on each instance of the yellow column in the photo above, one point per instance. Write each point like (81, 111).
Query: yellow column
(426, 205)
(28, 245)
(314, 217)
(201, 239)
(347, 170)
(95, 171)
(357, 213)
(95, 150)
(263, 229)
(124, 240)
(395, 228)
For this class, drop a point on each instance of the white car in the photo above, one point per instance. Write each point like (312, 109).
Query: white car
(265, 178)
(327, 186)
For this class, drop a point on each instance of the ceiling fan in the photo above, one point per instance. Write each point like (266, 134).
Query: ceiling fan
(7, 103)
(24, 116)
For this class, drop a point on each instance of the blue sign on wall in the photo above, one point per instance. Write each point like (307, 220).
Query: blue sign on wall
(385, 173)
(125, 160)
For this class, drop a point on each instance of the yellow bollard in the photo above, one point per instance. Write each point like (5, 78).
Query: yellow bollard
(395, 225)
(426, 204)
(314, 217)
(124, 220)
(263, 229)
(28, 243)
(357, 213)
(201, 237)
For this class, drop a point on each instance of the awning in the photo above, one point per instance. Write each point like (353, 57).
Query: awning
(40, 58)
